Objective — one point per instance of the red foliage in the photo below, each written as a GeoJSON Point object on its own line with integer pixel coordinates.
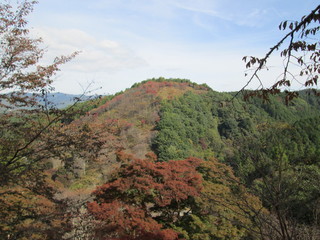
{"type": "Point", "coordinates": [151, 87]}
{"type": "Point", "coordinates": [125, 205]}
{"type": "Point", "coordinates": [151, 156]}
{"type": "Point", "coordinates": [124, 219]}
{"type": "Point", "coordinates": [143, 121]}
{"type": "Point", "coordinates": [168, 84]}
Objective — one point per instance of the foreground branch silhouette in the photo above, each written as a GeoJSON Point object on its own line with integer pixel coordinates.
{"type": "Point", "coordinates": [302, 52]}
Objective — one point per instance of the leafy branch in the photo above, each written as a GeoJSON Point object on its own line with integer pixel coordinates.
{"type": "Point", "coordinates": [301, 44]}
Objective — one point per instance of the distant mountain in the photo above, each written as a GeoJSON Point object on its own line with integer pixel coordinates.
{"type": "Point", "coordinates": [62, 100]}
{"type": "Point", "coordinates": [57, 100]}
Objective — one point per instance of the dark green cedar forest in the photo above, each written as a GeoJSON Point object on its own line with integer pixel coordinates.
{"type": "Point", "coordinates": [166, 159]}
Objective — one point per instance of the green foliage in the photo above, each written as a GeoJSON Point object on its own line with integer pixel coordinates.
{"type": "Point", "coordinates": [207, 124]}
{"type": "Point", "coordinates": [186, 128]}
{"type": "Point", "coordinates": [281, 165]}
{"type": "Point", "coordinates": [176, 80]}
{"type": "Point", "coordinates": [272, 146]}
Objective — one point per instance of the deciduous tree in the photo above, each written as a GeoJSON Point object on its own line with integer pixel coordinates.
{"type": "Point", "coordinates": [31, 133]}
{"type": "Point", "coordinates": [146, 199]}
{"type": "Point", "coordinates": [299, 49]}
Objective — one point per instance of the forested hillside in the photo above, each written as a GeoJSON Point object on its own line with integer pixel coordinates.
{"type": "Point", "coordinates": [272, 149]}
{"type": "Point", "coordinates": [171, 159]}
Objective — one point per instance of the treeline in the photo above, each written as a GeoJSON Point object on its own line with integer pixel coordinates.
{"type": "Point", "coordinates": [175, 80]}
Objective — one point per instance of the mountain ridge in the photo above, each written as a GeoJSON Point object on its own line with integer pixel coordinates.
{"type": "Point", "coordinates": [132, 120]}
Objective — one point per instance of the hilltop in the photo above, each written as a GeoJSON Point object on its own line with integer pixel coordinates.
{"type": "Point", "coordinates": [127, 121]}
{"type": "Point", "coordinates": [176, 118]}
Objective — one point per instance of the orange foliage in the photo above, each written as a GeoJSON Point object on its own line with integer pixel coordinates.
{"type": "Point", "coordinates": [27, 213]}
{"type": "Point", "coordinates": [128, 206]}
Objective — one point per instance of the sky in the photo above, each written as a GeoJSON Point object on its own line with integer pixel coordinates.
{"type": "Point", "coordinates": [122, 42]}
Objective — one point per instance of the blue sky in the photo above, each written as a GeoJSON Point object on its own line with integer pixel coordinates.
{"type": "Point", "coordinates": [127, 41]}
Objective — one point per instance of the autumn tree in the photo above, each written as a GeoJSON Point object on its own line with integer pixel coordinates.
{"type": "Point", "coordinates": [190, 199]}
{"type": "Point", "coordinates": [31, 133]}
{"type": "Point", "coordinates": [146, 199]}
{"type": "Point", "coordinates": [225, 208]}
{"type": "Point", "coordinates": [300, 52]}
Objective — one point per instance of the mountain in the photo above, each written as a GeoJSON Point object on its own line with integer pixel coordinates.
{"type": "Point", "coordinates": [259, 153]}
{"type": "Point", "coordinates": [53, 100]}
{"type": "Point", "coordinates": [128, 120]}
{"type": "Point", "coordinates": [169, 159]}
{"type": "Point", "coordinates": [176, 118]}
{"type": "Point", "coordinates": [62, 100]}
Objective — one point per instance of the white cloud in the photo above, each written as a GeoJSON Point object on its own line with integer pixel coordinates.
{"type": "Point", "coordinates": [95, 55]}
{"type": "Point", "coordinates": [115, 67]}
{"type": "Point", "coordinates": [126, 41]}
{"type": "Point", "coordinates": [100, 61]}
